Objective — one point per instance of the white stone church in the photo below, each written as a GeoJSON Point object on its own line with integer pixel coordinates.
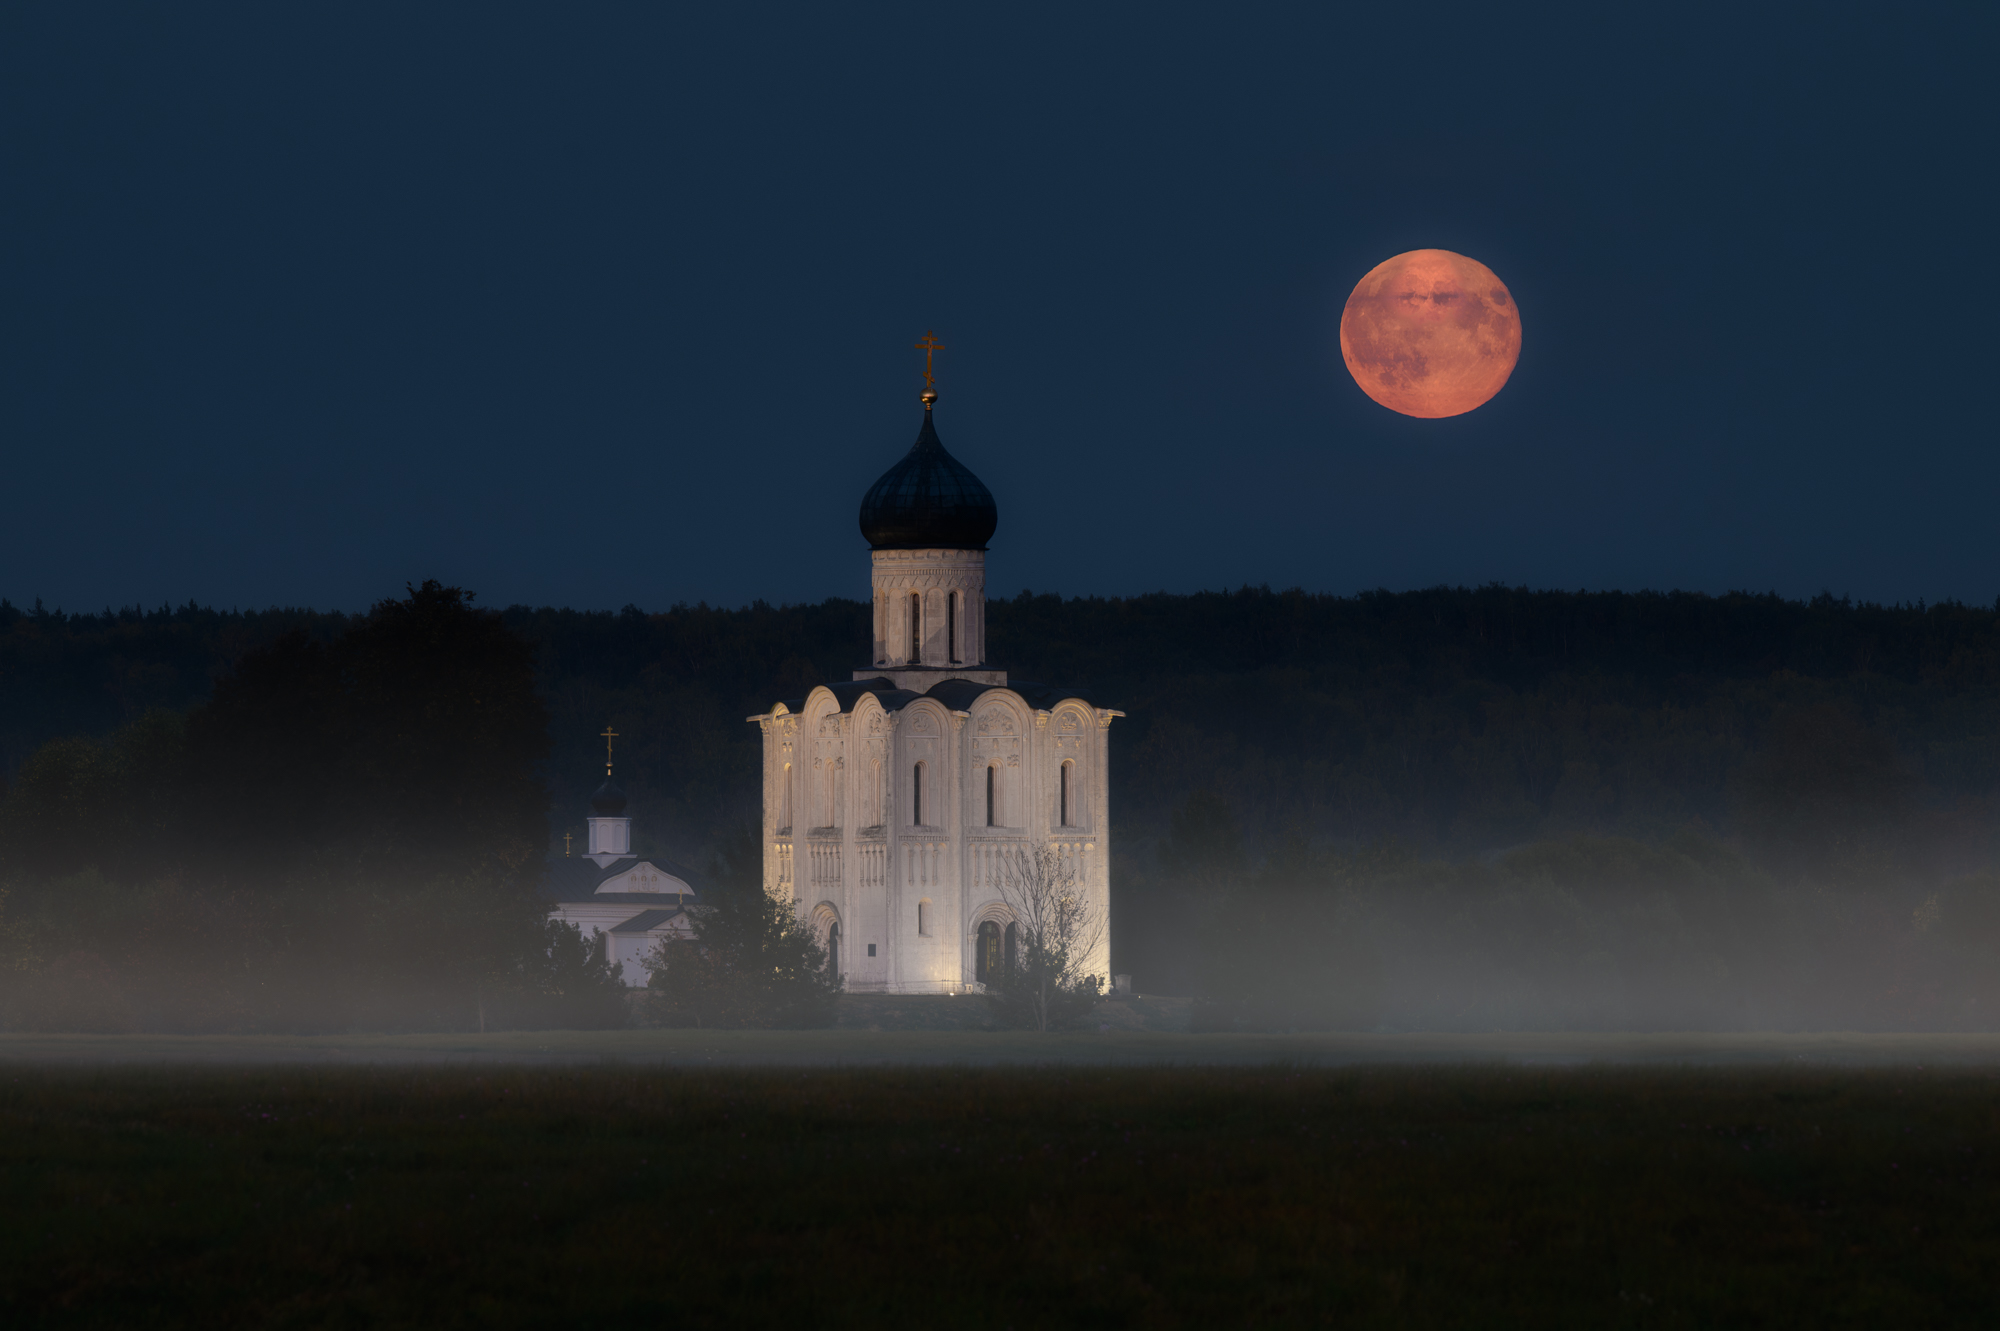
{"type": "Point", "coordinates": [894, 802]}
{"type": "Point", "coordinates": [626, 902]}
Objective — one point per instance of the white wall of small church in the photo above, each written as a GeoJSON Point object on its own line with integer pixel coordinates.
{"type": "Point", "coordinates": [625, 952]}
{"type": "Point", "coordinates": [610, 836]}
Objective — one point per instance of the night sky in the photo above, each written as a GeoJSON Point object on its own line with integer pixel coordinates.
{"type": "Point", "coordinates": [603, 304]}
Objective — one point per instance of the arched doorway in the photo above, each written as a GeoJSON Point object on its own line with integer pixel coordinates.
{"type": "Point", "coordinates": [826, 923]}
{"type": "Point", "coordinates": [987, 958]}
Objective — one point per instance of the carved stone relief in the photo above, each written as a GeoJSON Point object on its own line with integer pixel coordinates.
{"type": "Point", "coordinates": [995, 721]}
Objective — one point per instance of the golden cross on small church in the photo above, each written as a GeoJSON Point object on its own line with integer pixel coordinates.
{"type": "Point", "coordinates": [609, 735]}
{"type": "Point", "coordinates": [567, 836]}
{"type": "Point", "coordinates": [929, 346]}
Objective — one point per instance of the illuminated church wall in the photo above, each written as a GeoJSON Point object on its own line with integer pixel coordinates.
{"type": "Point", "coordinates": [893, 803]}
{"type": "Point", "coordinates": [918, 889]}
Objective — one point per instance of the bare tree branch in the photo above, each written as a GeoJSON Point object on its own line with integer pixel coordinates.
{"type": "Point", "coordinates": [1058, 932]}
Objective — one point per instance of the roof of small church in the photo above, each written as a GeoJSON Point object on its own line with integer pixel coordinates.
{"type": "Point", "coordinates": [646, 920]}
{"type": "Point", "coordinates": [575, 878]}
{"type": "Point", "coordinates": [608, 800]}
{"type": "Point", "coordinates": [928, 501]}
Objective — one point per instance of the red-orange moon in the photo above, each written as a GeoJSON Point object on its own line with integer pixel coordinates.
{"type": "Point", "coordinates": [1430, 333]}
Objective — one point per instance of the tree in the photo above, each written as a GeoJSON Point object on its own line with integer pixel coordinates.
{"type": "Point", "coordinates": [750, 962]}
{"type": "Point", "coordinates": [1041, 985]}
{"type": "Point", "coordinates": [116, 806]}
{"type": "Point", "coordinates": [572, 985]}
{"type": "Point", "coordinates": [404, 753]}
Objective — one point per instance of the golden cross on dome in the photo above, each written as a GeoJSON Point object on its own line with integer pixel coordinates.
{"type": "Point", "coordinates": [609, 735]}
{"type": "Point", "coordinates": [566, 840]}
{"type": "Point", "coordinates": [929, 346]}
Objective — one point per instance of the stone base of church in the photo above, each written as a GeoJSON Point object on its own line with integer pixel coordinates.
{"type": "Point", "coordinates": [909, 987]}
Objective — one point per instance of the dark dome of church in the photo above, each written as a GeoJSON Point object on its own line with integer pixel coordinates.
{"type": "Point", "coordinates": [609, 801]}
{"type": "Point", "coordinates": [928, 501]}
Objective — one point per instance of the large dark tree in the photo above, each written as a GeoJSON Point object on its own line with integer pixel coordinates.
{"type": "Point", "coordinates": [406, 751]}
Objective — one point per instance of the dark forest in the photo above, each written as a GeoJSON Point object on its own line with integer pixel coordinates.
{"type": "Point", "coordinates": [1633, 808]}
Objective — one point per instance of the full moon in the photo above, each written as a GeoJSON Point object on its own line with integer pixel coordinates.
{"type": "Point", "coordinates": [1430, 333]}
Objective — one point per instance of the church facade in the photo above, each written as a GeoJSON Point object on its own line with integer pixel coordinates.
{"type": "Point", "coordinates": [628, 903]}
{"type": "Point", "coordinates": [898, 803]}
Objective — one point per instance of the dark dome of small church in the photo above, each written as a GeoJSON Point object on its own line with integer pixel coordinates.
{"type": "Point", "coordinates": [609, 801]}
{"type": "Point", "coordinates": [928, 501]}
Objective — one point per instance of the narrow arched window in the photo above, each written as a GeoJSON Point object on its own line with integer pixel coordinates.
{"type": "Point", "coordinates": [951, 626]}
{"type": "Point", "coordinates": [1062, 810]}
{"type": "Point", "coordinates": [833, 949]}
{"type": "Point", "coordinates": [917, 795]}
{"type": "Point", "coordinates": [1009, 958]}
{"type": "Point", "coordinates": [916, 628]}
{"type": "Point", "coordinates": [785, 800]}
{"type": "Point", "coordinates": [986, 955]}
{"type": "Point", "coordinates": [924, 917]}
{"type": "Point", "coordinates": [991, 819]}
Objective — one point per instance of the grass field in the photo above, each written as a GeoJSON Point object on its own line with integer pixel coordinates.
{"type": "Point", "coordinates": [436, 1195]}
{"type": "Point", "coordinates": [927, 1046]}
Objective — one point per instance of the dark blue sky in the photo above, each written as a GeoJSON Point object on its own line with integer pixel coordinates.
{"type": "Point", "coordinates": [589, 305]}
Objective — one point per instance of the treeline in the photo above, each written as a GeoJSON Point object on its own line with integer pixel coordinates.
{"type": "Point", "coordinates": [1457, 720]}
{"type": "Point", "coordinates": [1576, 933]}
{"type": "Point", "coordinates": [347, 832]}
{"type": "Point", "coordinates": [1814, 742]}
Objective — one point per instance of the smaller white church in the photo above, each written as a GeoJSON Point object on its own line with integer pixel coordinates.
{"type": "Point", "coordinates": [629, 904]}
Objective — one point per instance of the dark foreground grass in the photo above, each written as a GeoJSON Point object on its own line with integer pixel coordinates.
{"type": "Point", "coordinates": [971, 1198]}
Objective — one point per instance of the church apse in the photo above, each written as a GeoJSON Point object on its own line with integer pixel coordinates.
{"type": "Point", "coordinates": [926, 775]}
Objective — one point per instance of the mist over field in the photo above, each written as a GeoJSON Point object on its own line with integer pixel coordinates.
{"type": "Point", "coordinates": [1486, 809]}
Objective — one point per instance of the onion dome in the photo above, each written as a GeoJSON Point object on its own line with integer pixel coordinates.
{"type": "Point", "coordinates": [928, 501]}
{"type": "Point", "coordinates": [608, 801]}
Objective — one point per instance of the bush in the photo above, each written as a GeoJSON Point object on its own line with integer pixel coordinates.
{"type": "Point", "coordinates": [750, 963]}
{"type": "Point", "coordinates": [1056, 931]}
{"type": "Point", "coordinates": [571, 986]}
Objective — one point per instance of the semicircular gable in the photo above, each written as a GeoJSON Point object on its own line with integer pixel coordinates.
{"type": "Point", "coordinates": [1072, 719]}
{"type": "Point", "coordinates": [926, 717]}
{"type": "Point", "coordinates": [645, 877]}
{"type": "Point", "coordinates": [819, 703]}
{"type": "Point", "coordinates": [872, 718]}
{"type": "Point", "coordinates": [995, 911]}
{"type": "Point", "coordinates": [1001, 712]}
